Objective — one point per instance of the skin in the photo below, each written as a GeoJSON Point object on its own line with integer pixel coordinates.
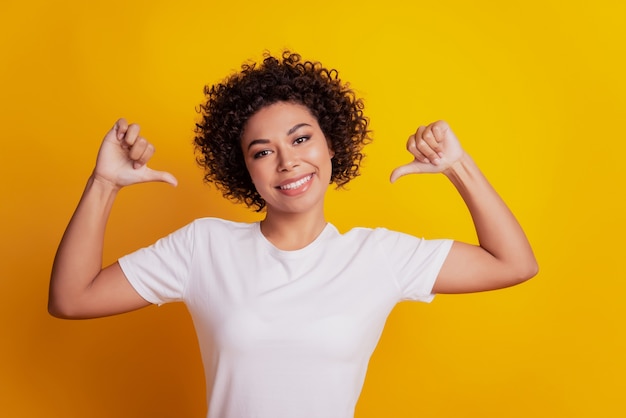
{"type": "Point", "coordinates": [283, 144]}
{"type": "Point", "coordinates": [79, 286]}
{"type": "Point", "coordinates": [503, 257]}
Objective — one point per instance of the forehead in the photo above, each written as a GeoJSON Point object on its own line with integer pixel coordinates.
{"type": "Point", "coordinates": [277, 119]}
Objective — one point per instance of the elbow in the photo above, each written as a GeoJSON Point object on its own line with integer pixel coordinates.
{"type": "Point", "coordinates": [57, 311]}
{"type": "Point", "coordinates": [61, 310]}
{"type": "Point", "coordinates": [56, 308]}
{"type": "Point", "coordinates": [61, 313]}
{"type": "Point", "coordinates": [65, 302]}
{"type": "Point", "coordinates": [526, 271]}
{"type": "Point", "coordinates": [532, 268]}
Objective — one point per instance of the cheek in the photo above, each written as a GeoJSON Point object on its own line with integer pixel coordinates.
{"type": "Point", "coordinates": [254, 176]}
{"type": "Point", "coordinates": [260, 173]}
{"type": "Point", "coordinates": [330, 170]}
{"type": "Point", "coordinates": [324, 157]}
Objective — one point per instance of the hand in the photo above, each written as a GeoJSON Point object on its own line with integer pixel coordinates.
{"type": "Point", "coordinates": [123, 156]}
{"type": "Point", "coordinates": [434, 148]}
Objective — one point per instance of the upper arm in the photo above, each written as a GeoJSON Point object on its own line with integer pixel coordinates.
{"type": "Point", "coordinates": [110, 293]}
{"type": "Point", "coordinates": [470, 268]}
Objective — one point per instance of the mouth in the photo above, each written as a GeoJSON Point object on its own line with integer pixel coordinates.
{"type": "Point", "coordinates": [296, 184]}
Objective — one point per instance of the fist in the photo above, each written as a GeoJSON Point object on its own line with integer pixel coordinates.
{"type": "Point", "coordinates": [434, 148]}
{"type": "Point", "coordinates": [123, 156]}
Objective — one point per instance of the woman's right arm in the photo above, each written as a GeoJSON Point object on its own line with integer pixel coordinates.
{"type": "Point", "coordinates": [79, 286]}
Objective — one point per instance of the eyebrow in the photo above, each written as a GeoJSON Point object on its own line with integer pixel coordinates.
{"type": "Point", "coordinates": [296, 127]}
{"type": "Point", "coordinates": [289, 132]}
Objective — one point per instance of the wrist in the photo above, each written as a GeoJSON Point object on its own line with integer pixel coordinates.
{"type": "Point", "coordinates": [467, 178]}
{"type": "Point", "coordinates": [460, 168]}
{"type": "Point", "coordinates": [102, 184]}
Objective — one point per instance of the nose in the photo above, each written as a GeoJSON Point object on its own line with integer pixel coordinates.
{"type": "Point", "coordinates": [287, 159]}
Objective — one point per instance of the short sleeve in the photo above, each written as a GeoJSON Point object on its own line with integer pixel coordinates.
{"type": "Point", "coordinates": [415, 262]}
{"type": "Point", "coordinates": [160, 272]}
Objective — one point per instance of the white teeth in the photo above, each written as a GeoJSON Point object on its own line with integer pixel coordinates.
{"type": "Point", "coordinates": [296, 184]}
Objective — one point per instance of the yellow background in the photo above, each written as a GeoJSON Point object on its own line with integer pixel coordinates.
{"type": "Point", "coordinates": [534, 89]}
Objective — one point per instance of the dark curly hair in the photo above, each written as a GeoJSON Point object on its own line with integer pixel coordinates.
{"type": "Point", "coordinates": [231, 103]}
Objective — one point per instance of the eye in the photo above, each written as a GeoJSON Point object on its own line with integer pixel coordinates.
{"type": "Point", "coordinates": [262, 153]}
{"type": "Point", "coordinates": [301, 140]}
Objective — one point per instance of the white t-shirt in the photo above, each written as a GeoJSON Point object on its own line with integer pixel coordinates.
{"type": "Point", "coordinates": [285, 334]}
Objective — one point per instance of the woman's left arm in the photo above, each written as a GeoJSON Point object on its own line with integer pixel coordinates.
{"type": "Point", "coordinates": [503, 257]}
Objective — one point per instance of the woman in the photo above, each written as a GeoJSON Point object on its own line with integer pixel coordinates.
{"type": "Point", "coordinates": [287, 310]}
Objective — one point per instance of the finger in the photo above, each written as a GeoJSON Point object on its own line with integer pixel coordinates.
{"type": "Point", "coordinates": [426, 149]}
{"type": "Point", "coordinates": [403, 170]}
{"type": "Point", "coordinates": [412, 147]}
{"type": "Point", "coordinates": [141, 151]}
{"type": "Point", "coordinates": [143, 159]}
{"type": "Point", "coordinates": [162, 176]}
{"type": "Point", "coordinates": [131, 134]}
{"type": "Point", "coordinates": [440, 130]}
{"type": "Point", "coordinates": [432, 140]}
{"type": "Point", "coordinates": [120, 128]}
{"type": "Point", "coordinates": [428, 136]}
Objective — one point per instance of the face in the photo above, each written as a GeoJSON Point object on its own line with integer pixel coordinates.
{"type": "Point", "coordinates": [288, 158]}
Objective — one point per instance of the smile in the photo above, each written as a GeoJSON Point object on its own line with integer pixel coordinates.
{"type": "Point", "coordinates": [296, 184]}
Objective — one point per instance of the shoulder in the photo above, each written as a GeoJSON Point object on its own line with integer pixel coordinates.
{"type": "Point", "coordinates": [205, 228]}
{"type": "Point", "coordinates": [218, 230]}
{"type": "Point", "coordinates": [390, 240]}
{"type": "Point", "coordinates": [371, 237]}
{"type": "Point", "coordinates": [364, 233]}
{"type": "Point", "coordinates": [210, 223]}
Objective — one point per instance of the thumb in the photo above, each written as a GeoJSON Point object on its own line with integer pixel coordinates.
{"type": "Point", "coordinates": [162, 176]}
{"type": "Point", "coordinates": [403, 170]}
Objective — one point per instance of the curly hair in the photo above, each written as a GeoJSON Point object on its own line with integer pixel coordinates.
{"type": "Point", "coordinates": [231, 103]}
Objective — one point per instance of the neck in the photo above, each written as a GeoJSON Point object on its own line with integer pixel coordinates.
{"type": "Point", "coordinates": [292, 231]}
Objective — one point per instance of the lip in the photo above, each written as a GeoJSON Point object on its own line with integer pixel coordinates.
{"type": "Point", "coordinates": [291, 185]}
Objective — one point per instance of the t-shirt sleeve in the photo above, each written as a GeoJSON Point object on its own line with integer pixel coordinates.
{"type": "Point", "coordinates": [415, 262]}
{"type": "Point", "coordinates": [159, 273]}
